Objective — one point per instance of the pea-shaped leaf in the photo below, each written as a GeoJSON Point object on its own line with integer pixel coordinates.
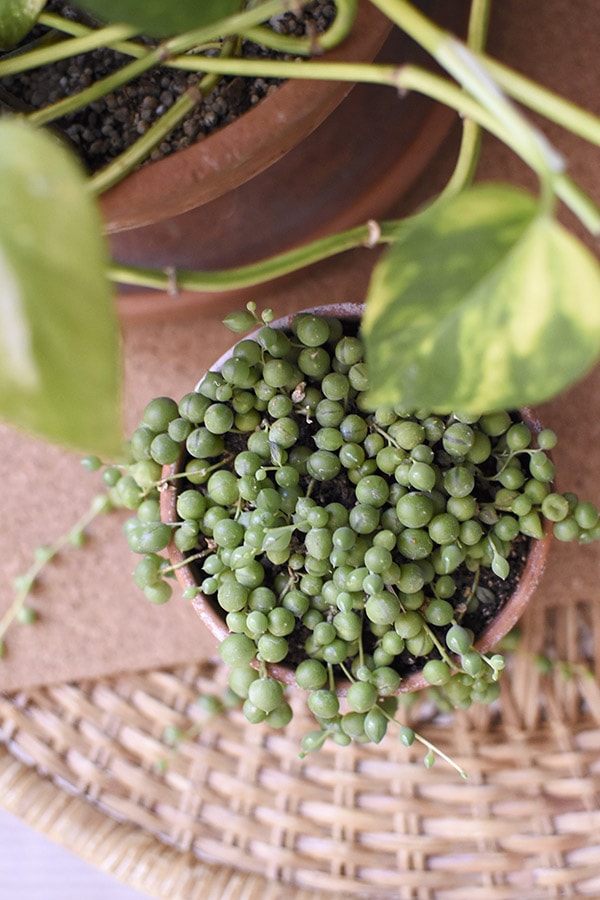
{"type": "Point", "coordinates": [17, 18]}
{"type": "Point", "coordinates": [161, 18]}
{"type": "Point", "coordinates": [277, 539]}
{"type": "Point", "coordinates": [484, 303]}
{"type": "Point", "coordinates": [59, 342]}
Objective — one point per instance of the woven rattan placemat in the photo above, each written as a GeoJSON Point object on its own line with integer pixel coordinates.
{"type": "Point", "coordinates": [235, 813]}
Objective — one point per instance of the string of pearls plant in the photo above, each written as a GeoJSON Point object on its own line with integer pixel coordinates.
{"type": "Point", "coordinates": [354, 545]}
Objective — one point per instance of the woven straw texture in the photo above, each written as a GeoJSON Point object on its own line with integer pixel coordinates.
{"type": "Point", "coordinates": [235, 813]}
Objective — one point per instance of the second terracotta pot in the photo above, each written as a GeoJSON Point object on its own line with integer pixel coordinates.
{"type": "Point", "coordinates": [311, 159]}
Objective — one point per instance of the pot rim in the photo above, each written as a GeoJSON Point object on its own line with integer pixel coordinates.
{"type": "Point", "coordinates": [505, 620]}
{"type": "Point", "coordinates": [244, 148]}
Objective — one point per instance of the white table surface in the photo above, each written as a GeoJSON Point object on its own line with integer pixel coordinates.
{"type": "Point", "coordinates": [34, 868]}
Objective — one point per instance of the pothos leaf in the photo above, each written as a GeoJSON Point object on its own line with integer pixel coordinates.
{"type": "Point", "coordinates": [484, 303]}
{"type": "Point", "coordinates": [59, 341]}
{"type": "Point", "coordinates": [161, 18]}
{"type": "Point", "coordinates": [17, 18]}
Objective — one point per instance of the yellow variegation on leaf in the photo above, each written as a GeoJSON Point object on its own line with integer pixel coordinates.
{"type": "Point", "coordinates": [484, 303]}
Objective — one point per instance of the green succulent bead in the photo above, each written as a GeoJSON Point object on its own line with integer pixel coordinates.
{"type": "Point", "coordinates": [237, 650]}
{"type": "Point", "coordinates": [436, 672]}
{"type": "Point", "coordinates": [375, 725]}
{"type": "Point", "coordinates": [159, 412]}
{"type": "Point", "coordinates": [349, 350]}
{"type": "Point", "coordinates": [382, 608]}
{"type": "Point", "coordinates": [158, 593]}
{"type": "Point", "coordinates": [414, 509]}
{"type": "Point", "coordinates": [240, 679]}
{"type": "Point", "coordinates": [324, 704]}
{"type": "Point", "coordinates": [311, 675]}
{"type": "Point", "coordinates": [361, 697]}
{"type": "Point", "coordinates": [495, 424]}
{"type": "Point", "coordinates": [458, 439]}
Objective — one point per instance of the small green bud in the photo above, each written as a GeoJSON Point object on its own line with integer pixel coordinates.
{"type": "Point", "coordinates": [240, 321]}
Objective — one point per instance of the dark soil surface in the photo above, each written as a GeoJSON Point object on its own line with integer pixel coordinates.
{"type": "Point", "coordinates": [101, 131]}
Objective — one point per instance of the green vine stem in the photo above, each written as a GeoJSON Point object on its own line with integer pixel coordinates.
{"type": "Point", "coordinates": [470, 71]}
{"type": "Point", "coordinates": [127, 161]}
{"type": "Point", "coordinates": [434, 750]}
{"type": "Point", "coordinates": [92, 39]}
{"type": "Point", "coordinates": [439, 45]}
{"type": "Point", "coordinates": [312, 44]}
{"type": "Point", "coordinates": [470, 144]}
{"type": "Point", "coordinates": [260, 34]}
{"type": "Point", "coordinates": [536, 97]}
{"type": "Point", "coordinates": [25, 582]}
{"type": "Point", "coordinates": [144, 145]}
{"type": "Point", "coordinates": [477, 96]}
{"type": "Point", "coordinates": [555, 108]}
{"type": "Point", "coordinates": [126, 47]}
{"type": "Point", "coordinates": [541, 100]}
{"type": "Point", "coordinates": [414, 78]}
{"type": "Point", "coordinates": [368, 235]}
{"type": "Point", "coordinates": [489, 110]}
{"type": "Point", "coordinates": [168, 49]}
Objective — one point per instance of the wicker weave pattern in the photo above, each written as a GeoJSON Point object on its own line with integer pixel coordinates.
{"type": "Point", "coordinates": [236, 813]}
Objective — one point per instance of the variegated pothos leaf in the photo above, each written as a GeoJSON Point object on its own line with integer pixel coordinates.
{"type": "Point", "coordinates": [17, 18]}
{"type": "Point", "coordinates": [484, 303]}
{"type": "Point", "coordinates": [161, 18]}
{"type": "Point", "coordinates": [59, 339]}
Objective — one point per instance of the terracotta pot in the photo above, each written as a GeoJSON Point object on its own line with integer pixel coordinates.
{"type": "Point", "coordinates": [212, 617]}
{"type": "Point", "coordinates": [334, 154]}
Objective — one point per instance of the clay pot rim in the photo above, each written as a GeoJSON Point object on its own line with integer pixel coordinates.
{"type": "Point", "coordinates": [244, 148]}
{"type": "Point", "coordinates": [506, 619]}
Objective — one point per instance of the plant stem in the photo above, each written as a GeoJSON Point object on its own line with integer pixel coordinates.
{"type": "Point", "coordinates": [312, 44]}
{"type": "Point", "coordinates": [369, 235]}
{"type": "Point", "coordinates": [257, 273]}
{"type": "Point", "coordinates": [98, 506]}
{"type": "Point", "coordinates": [165, 51]}
{"type": "Point", "coordinates": [307, 70]}
{"type": "Point", "coordinates": [144, 145]}
{"type": "Point", "coordinates": [541, 100]}
{"type": "Point", "coordinates": [434, 749]}
{"type": "Point", "coordinates": [469, 70]}
{"type": "Point", "coordinates": [435, 40]}
{"type": "Point", "coordinates": [440, 647]}
{"type": "Point", "coordinates": [126, 47]}
{"type": "Point", "coordinates": [430, 746]}
{"type": "Point", "coordinates": [573, 196]}
{"type": "Point", "coordinates": [470, 144]}
{"type": "Point", "coordinates": [520, 137]}
{"type": "Point", "coordinates": [96, 91]}
{"type": "Point", "coordinates": [185, 562]}
{"type": "Point", "coordinates": [445, 92]}
{"type": "Point", "coordinates": [92, 40]}
{"type": "Point", "coordinates": [260, 34]}
{"type": "Point", "coordinates": [538, 98]}
{"type": "Point", "coordinates": [439, 43]}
